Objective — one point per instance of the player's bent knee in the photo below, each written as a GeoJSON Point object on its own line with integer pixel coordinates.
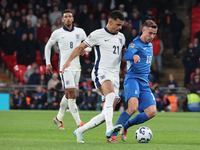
{"type": "Point", "coordinates": [131, 110]}
{"type": "Point", "coordinates": [106, 88]}
{"type": "Point", "coordinates": [71, 93]}
{"type": "Point", "coordinates": [151, 112]}
{"type": "Point", "coordinates": [66, 95]}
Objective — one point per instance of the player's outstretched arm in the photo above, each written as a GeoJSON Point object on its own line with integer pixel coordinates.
{"type": "Point", "coordinates": [128, 56]}
{"type": "Point", "coordinates": [74, 54]}
{"type": "Point", "coordinates": [83, 53]}
{"type": "Point", "coordinates": [88, 49]}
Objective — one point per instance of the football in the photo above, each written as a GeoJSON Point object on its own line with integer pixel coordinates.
{"type": "Point", "coordinates": [143, 135]}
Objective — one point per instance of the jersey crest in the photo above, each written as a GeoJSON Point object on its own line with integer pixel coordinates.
{"type": "Point", "coordinates": [120, 40]}
{"type": "Point", "coordinates": [77, 36]}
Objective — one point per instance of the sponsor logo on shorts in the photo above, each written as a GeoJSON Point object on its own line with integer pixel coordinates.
{"type": "Point", "coordinates": [135, 91]}
{"type": "Point", "coordinates": [67, 82]}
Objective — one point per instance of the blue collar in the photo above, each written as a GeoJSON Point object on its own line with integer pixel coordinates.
{"type": "Point", "coordinates": [65, 28]}
{"type": "Point", "coordinates": [108, 31]}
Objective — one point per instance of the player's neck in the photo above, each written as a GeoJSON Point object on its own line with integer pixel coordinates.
{"type": "Point", "coordinates": [142, 38]}
{"type": "Point", "coordinates": [109, 29]}
{"type": "Point", "coordinates": [69, 27]}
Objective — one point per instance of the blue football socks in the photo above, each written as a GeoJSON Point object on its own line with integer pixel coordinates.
{"type": "Point", "coordinates": [139, 118]}
{"type": "Point", "coordinates": [123, 118]}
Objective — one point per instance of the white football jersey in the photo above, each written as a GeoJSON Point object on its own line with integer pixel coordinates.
{"type": "Point", "coordinates": [67, 41]}
{"type": "Point", "coordinates": [108, 49]}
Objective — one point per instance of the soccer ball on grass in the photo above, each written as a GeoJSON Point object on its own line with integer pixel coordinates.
{"type": "Point", "coordinates": [143, 135]}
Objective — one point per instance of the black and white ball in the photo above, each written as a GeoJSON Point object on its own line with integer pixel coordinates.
{"type": "Point", "coordinates": [143, 135]}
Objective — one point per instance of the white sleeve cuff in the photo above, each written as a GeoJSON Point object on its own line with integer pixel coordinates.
{"type": "Point", "coordinates": [88, 49]}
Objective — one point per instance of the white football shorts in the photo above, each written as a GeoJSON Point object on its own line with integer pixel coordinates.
{"type": "Point", "coordinates": [101, 75]}
{"type": "Point", "coordinates": [70, 79]}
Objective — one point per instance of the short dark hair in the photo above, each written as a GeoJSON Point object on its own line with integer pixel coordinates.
{"type": "Point", "coordinates": [150, 23]}
{"type": "Point", "coordinates": [66, 11]}
{"type": "Point", "coordinates": [116, 14]}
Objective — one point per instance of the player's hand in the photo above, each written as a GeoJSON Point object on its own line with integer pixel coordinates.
{"type": "Point", "coordinates": [49, 69]}
{"type": "Point", "coordinates": [136, 59]}
{"type": "Point", "coordinates": [66, 65]}
{"type": "Point", "coordinates": [83, 53]}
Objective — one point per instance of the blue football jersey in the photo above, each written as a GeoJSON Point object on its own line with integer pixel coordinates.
{"type": "Point", "coordinates": [144, 50]}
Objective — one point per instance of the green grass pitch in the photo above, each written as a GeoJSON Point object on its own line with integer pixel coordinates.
{"type": "Point", "coordinates": [35, 130]}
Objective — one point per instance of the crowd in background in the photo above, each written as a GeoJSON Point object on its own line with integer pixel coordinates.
{"type": "Point", "coordinates": [26, 26]}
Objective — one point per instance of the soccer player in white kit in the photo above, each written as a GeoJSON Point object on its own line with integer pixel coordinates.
{"type": "Point", "coordinates": [68, 38]}
{"type": "Point", "coordinates": [108, 43]}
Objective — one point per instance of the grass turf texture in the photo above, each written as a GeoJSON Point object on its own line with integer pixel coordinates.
{"type": "Point", "coordinates": [35, 130]}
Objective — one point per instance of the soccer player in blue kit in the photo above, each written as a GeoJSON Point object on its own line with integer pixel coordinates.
{"type": "Point", "coordinates": [138, 95]}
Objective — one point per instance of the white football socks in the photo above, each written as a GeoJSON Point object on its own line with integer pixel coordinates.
{"type": "Point", "coordinates": [74, 110]}
{"type": "Point", "coordinates": [63, 108]}
{"type": "Point", "coordinates": [108, 109]}
{"type": "Point", "coordinates": [94, 122]}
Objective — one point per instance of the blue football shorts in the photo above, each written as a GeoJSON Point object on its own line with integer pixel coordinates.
{"type": "Point", "coordinates": [140, 89]}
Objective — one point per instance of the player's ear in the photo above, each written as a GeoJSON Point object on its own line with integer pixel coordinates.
{"type": "Point", "coordinates": [143, 29]}
{"type": "Point", "coordinates": [110, 21]}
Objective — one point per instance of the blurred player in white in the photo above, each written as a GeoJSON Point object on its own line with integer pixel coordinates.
{"type": "Point", "coordinates": [68, 38]}
{"type": "Point", "coordinates": [108, 43]}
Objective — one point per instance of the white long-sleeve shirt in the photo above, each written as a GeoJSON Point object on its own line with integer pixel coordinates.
{"type": "Point", "coordinates": [67, 41]}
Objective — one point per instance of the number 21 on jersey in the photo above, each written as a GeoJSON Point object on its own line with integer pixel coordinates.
{"type": "Point", "coordinates": [116, 49]}
{"type": "Point", "coordinates": [149, 59]}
